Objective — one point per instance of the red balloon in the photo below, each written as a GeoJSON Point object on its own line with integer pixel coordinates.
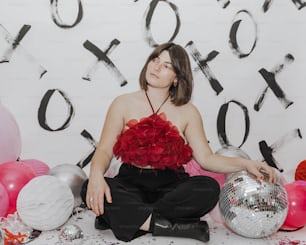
{"type": "Point", "coordinates": [38, 167]}
{"type": "Point", "coordinates": [13, 176]}
{"type": "Point", "coordinates": [296, 216]}
{"type": "Point", "coordinates": [300, 172]}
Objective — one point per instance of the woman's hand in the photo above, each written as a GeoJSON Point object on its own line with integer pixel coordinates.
{"type": "Point", "coordinates": [260, 169]}
{"type": "Point", "coordinates": [96, 190]}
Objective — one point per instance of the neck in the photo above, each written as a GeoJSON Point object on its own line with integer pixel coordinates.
{"type": "Point", "coordinates": [157, 94]}
{"type": "Point", "coordinates": [156, 103]}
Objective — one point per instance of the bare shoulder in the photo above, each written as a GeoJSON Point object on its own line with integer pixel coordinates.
{"type": "Point", "coordinates": [127, 98]}
{"type": "Point", "coordinates": [190, 110]}
{"type": "Point", "coordinates": [126, 104]}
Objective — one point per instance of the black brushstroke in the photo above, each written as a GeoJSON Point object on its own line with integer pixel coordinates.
{"type": "Point", "coordinates": [202, 63]}
{"type": "Point", "coordinates": [270, 76]}
{"type": "Point", "coordinates": [285, 139]}
{"type": "Point", "coordinates": [267, 151]}
{"type": "Point", "coordinates": [221, 123]}
{"type": "Point", "coordinates": [299, 4]}
{"type": "Point", "coordinates": [103, 56]}
{"type": "Point", "coordinates": [224, 3]}
{"type": "Point", "coordinates": [15, 43]}
{"type": "Point", "coordinates": [57, 19]}
{"type": "Point", "coordinates": [86, 160]}
{"type": "Point", "coordinates": [266, 5]}
{"type": "Point", "coordinates": [233, 34]}
{"type": "Point", "coordinates": [148, 18]}
{"type": "Point", "coordinates": [43, 109]}
{"type": "Point", "coordinates": [272, 84]}
{"type": "Point", "coordinates": [9, 52]}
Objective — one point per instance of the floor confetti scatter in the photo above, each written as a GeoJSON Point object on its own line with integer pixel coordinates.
{"type": "Point", "coordinates": [219, 235]}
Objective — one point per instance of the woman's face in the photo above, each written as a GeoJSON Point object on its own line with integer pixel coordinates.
{"type": "Point", "coordinates": [160, 72]}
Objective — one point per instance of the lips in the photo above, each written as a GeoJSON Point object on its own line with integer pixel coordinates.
{"type": "Point", "coordinates": [154, 75]}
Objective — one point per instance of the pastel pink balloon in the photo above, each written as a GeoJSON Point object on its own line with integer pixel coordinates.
{"type": "Point", "coordinates": [4, 201]}
{"type": "Point", "coordinates": [216, 215]}
{"type": "Point", "coordinates": [38, 167]}
{"type": "Point", "coordinates": [13, 176]}
{"type": "Point", "coordinates": [10, 140]}
{"type": "Point", "coordinates": [296, 216]}
{"type": "Point", "coordinates": [193, 169]}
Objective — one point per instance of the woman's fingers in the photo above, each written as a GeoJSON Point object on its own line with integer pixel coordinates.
{"type": "Point", "coordinates": [269, 172]}
{"type": "Point", "coordinates": [108, 195]}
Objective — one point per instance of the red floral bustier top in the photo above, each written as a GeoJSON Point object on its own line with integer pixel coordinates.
{"type": "Point", "coordinates": [152, 141]}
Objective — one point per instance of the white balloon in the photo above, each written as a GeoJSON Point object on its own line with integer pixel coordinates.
{"type": "Point", "coordinates": [45, 203]}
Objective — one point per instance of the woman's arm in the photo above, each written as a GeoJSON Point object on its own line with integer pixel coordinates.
{"type": "Point", "coordinates": [202, 153]}
{"type": "Point", "coordinates": [97, 186]}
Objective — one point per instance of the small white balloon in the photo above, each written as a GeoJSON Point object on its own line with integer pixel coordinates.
{"type": "Point", "coordinates": [45, 203]}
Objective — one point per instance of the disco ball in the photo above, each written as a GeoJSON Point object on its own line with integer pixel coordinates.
{"type": "Point", "coordinates": [252, 208]}
{"type": "Point", "coordinates": [71, 234]}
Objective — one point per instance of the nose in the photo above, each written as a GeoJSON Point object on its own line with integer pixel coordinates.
{"type": "Point", "coordinates": [157, 66]}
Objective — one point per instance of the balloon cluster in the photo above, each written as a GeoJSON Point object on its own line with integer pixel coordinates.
{"type": "Point", "coordinates": [41, 196]}
{"type": "Point", "coordinates": [14, 174]}
{"type": "Point", "coordinates": [296, 191]}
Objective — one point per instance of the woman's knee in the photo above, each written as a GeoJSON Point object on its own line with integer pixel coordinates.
{"type": "Point", "coordinates": [206, 187]}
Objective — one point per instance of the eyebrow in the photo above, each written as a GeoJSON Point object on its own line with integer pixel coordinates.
{"type": "Point", "coordinates": [167, 62]}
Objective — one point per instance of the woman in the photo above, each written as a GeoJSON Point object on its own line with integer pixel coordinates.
{"type": "Point", "coordinates": [154, 131]}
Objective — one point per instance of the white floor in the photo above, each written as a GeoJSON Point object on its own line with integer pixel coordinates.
{"type": "Point", "coordinates": [219, 235]}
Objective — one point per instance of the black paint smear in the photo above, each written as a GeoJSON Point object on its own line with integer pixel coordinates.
{"type": "Point", "coordinates": [267, 151]}
{"type": "Point", "coordinates": [279, 93]}
{"type": "Point", "coordinates": [102, 56]}
{"type": "Point", "coordinates": [14, 44]}
{"type": "Point", "coordinates": [299, 4]}
{"type": "Point", "coordinates": [289, 58]}
{"type": "Point", "coordinates": [233, 33]}
{"type": "Point", "coordinates": [270, 79]}
{"type": "Point", "coordinates": [9, 52]}
{"type": "Point", "coordinates": [86, 160]}
{"type": "Point", "coordinates": [148, 18]}
{"type": "Point", "coordinates": [57, 19]}
{"type": "Point", "coordinates": [202, 63]}
{"type": "Point", "coordinates": [221, 126]}
{"type": "Point", "coordinates": [224, 3]}
{"type": "Point", "coordinates": [43, 109]}
{"type": "Point", "coordinates": [266, 5]}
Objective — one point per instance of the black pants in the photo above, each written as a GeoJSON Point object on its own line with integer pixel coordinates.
{"type": "Point", "coordinates": [137, 193]}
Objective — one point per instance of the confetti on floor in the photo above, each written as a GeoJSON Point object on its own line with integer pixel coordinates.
{"type": "Point", "coordinates": [219, 235]}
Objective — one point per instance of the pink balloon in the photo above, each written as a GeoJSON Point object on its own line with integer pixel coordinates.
{"type": "Point", "coordinates": [193, 169]}
{"type": "Point", "coordinates": [38, 167]}
{"type": "Point", "coordinates": [10, 140]}
{"type": "Point", "coordinates": [13, 176]}
{"type": "Point", "coordinates": [216, 215]}
{"type": "Point", "coordinates": [296, 216]}
{"type": "Point", "coordinates": [300, 182]}
{"type": "Point", "coordinates": [4, 201]}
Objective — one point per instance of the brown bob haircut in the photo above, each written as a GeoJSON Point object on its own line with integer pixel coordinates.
{"type": "Point", "coordinates": [181, 93]}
